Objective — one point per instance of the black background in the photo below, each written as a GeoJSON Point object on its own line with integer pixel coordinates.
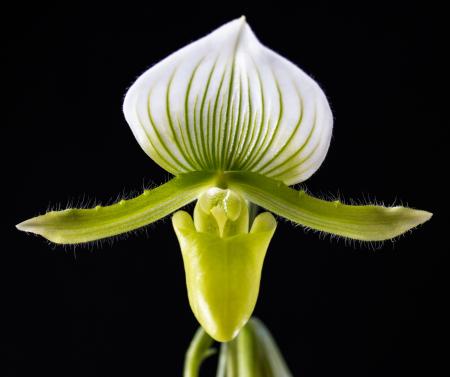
{"type": "Point", "coordinates": [336, 308]}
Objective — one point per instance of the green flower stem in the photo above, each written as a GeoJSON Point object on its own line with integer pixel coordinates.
{"type": "Point", "coordinates": [231, 356]}
{"type": "Point", "coordinates": [246, 354]}
{"type": "Point", "coordinates": [223, 359]}
{"type": "Point", "coordinates": [270, 356]}
{"type": "Point", "coordinates": [198, 350]}
{"type": "Point", "coordinates": [253, 353]}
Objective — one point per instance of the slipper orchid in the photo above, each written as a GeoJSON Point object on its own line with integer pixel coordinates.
{"type": "Point", "coordinates": [236, 124]}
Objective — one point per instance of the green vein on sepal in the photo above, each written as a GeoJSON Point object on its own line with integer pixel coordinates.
{"type": "Point", "coordinates": [72, 226]}
{"type": "Point", "coordinates": [273, 136]}
{"type": "Point", "coordinates": [187, 112]}
{"type": "Point", "coordinates": [365, 222]}
{"type": "Point", "coordinates": [176, 135]}
{"type": "Point", "coordinates": [165, 151]}
{"type": "Point", "coordinates": [201, 123]}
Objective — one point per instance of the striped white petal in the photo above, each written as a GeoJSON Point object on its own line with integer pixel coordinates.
{"type": "Point", "coordinates": [228, 103]}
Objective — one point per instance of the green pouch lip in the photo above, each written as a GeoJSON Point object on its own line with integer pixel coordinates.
{"type": "Point", "coordinates": [223, 273]}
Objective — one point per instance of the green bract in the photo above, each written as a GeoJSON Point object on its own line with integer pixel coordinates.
{"type": "Point", "coordinates": [225, 112]}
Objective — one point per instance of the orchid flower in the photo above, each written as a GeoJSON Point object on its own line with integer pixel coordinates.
{"type": "Point", "coordinates": [236, 124]}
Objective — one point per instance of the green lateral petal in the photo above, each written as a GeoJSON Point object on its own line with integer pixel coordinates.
{"type": "Point", "coordinates": [258, 353]}
{"type": "Point", "coordinates": [72, 226]}
{"type": "Point", "coordinates": [366, 222]}
{"type": "Point", "coordinates": [227, 102]}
